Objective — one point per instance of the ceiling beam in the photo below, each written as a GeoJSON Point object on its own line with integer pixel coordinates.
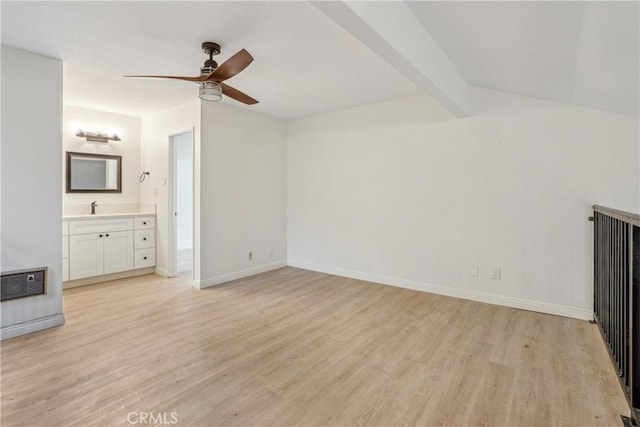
{"type": "Point", "coordinates": [393, 32]}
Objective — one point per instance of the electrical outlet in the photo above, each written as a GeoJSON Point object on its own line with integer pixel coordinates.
{"type": "Point", "coordinates": [496, 273]}
{"type": "Point", "coordinates": [250, 256]}
{"type": "Point", "coordinates": [474, 271]}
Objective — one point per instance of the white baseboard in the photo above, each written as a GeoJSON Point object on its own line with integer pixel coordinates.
{"type": "Point", "coordinates": [31, 326]}
{"type": "Point", "coordinates": [212, 281]}
{"type": "Point", "coordinates": [162, 272]}
{"type": "Point", "coordinates": [107, 277]}
{"type": "Point", "coordinates": [540, 307]}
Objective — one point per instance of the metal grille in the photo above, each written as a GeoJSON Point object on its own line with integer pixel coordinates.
{"type": "Point", "coordinates": [617, 293]}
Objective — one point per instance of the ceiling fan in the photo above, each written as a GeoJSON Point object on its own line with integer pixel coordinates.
{"type": "Point", "coordinates": [212, 76]}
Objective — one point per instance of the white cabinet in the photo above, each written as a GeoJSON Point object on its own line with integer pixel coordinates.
{"type": "Point", "coordinates": [105, 246]}
{"type": "Point", "coordinates": [100, 253]}
{"type": "Point", "coordinates": [144, 241]}
{"type": "Point", "coordinates": [118, 251]}
{"type": "Point", "coordinates": [86, 255]}
{"type": "Point", "coordinates": [65, 251]}
{"type": "Point", "coordinates": [100, 225]}
{"type": "Point", "coordinates": [144, 222]}
{"type": "Point", "coordinates": [145, 258]}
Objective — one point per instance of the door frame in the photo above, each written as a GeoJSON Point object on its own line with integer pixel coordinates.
{"type": "Point", "coordinates": [172, 208]}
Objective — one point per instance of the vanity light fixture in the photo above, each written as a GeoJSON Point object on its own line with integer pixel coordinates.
{"type": "Point", "coordinates": [97, 136]}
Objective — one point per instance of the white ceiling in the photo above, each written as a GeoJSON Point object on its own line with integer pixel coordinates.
{"type": "Point", "coordinates": [304, 63]}
{"type": "Point", "coordinates": [584, 53]}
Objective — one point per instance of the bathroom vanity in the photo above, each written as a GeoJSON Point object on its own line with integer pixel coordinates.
{"type": "Point", "coordinates": [101, 245]}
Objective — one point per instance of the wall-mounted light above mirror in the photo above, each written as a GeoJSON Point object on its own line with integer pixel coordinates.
{"type": "Point", "coordinates": [97, 136]}
{"type": "Point", "coordinates": [93, 173]}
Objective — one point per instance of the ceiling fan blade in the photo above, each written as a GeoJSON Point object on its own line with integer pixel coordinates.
{"type": "Point", "coordinates": [189, 79]}
{"type": "Point", "coordinates": [237, 95]}
{"type": "Point", "coordinates": [232, 66]}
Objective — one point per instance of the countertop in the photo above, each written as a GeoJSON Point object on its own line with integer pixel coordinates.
{"type": "Point", "coordinates": [107, 215]}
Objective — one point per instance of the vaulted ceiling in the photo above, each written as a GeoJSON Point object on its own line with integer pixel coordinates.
{"type": "Point", "coordinates": [581, 53]}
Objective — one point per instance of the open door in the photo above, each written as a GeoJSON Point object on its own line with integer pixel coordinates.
{"type": "Point", "coordinates": [181, 203]}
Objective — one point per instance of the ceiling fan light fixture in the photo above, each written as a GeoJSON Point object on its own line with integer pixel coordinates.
{"type": "Point", "coordinates": [211, 75]}
{"type": "Point", "coordinates": [210, 91]}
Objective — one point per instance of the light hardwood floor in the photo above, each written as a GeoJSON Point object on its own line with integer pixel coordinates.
{"type": "Point", "coordinates": [293, 347]}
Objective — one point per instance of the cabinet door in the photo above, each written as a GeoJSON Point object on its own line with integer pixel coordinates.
{"type": "Point", "coordinates": [86, 256]}
{"type": "Point", "coordinates": [118, 251]}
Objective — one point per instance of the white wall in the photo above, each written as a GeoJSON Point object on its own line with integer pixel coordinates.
{"type": "Point", "coordinates": [377, 193]}
{"type": "Point", "coordinates": [31, 205]}
{"type": "Point", "coordinates": [156, 130]}
{"type": "Point", "coordinates": [243, 191]}
{"type": "Point", "coordinates": [128, 129]}
{"type": "Point", "coordinates": [184, 184]}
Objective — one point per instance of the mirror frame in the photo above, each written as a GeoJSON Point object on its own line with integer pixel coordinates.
{"type": "Point", "coordinates": [118, 159]}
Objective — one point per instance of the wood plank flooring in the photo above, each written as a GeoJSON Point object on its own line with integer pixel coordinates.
{"type": "Point", "coordinates": [294, 347]}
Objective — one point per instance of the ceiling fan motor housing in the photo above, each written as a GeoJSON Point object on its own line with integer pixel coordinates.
{"type": "Point", "coordinates": [211, 49]}
{"type": "Point", "coordinates": [209, 66]}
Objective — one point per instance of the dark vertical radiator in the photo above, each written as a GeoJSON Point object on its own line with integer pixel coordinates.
{"type": "Point", "coordinates": [617, 294]}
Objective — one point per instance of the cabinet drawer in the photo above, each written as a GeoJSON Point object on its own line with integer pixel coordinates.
{"type": "Point", "coordinates": [65, 247]}
{"type": "Point", "coordinates": [144, 239]}
{"type": "Point", "coordinates": [144, 222]}
{"type": "Point", "coordinates": [145, 258]}
{"type": "Point", "coordinates": [100, 226]}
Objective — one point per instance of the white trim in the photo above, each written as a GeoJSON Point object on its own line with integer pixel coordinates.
{"type": "Point", "coordinates": [171, 207]}
{"type": "Point", "coordinates": [239, 274]}
{"type": "Point", "coordinates": [107, 277]}
{"type": "Point", "coordinates": [162, 272]}
{"type": "Point", "coordinates": [538, 306]}
{"type": "Point", "coordinates": [172, 268]}
{"type": "Point", "coordinates": [31, 326]}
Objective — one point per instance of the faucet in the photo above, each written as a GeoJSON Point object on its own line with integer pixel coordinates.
{"type": "Point", "coordinates": [93, 207]}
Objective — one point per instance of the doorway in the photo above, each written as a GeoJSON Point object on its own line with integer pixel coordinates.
{"type": "Point", "coordinates": [181, 204]}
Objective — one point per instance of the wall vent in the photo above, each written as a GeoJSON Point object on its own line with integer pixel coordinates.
{"type": "Point", "coordinates": [23, 283]}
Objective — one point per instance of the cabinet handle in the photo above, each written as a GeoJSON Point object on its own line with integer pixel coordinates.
{"type": "Point", "coordinates": [145, 258]}
{"type": "Point", "coordinates": [144, 222]}
{"type": "Point", "coordinates": [144, 238]}
{"type": "Point", "coordinates": [99, 235]}
{"type": "Point", "coordinates": [106, 235]}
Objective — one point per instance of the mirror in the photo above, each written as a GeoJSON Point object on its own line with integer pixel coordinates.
{"type": "Point", "coordinates": [93, 173]}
